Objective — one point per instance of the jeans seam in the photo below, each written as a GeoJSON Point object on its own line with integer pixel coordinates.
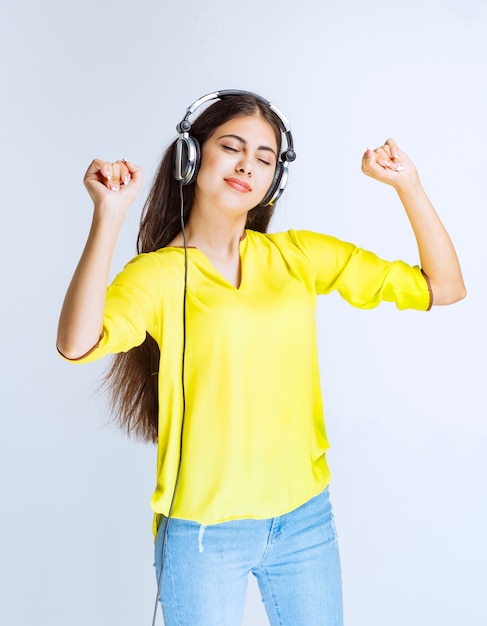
{"type": "Point", "coordinates": [171, 582]}
{"type": "Point", "coordinates": [271, 595]}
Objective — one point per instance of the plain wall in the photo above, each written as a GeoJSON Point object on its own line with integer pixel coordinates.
{"type": "Point", "coordinates": [404, 392]}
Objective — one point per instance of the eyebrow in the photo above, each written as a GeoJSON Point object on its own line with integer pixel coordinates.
{"type": "Point", "coordinates": [244, 141]}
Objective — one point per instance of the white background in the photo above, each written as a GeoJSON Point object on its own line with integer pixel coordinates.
{"type": "Point", "coordinates": [404, 392]}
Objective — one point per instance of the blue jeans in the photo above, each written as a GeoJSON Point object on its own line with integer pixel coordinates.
{"type": "Point", "coordinates": [294, 558]}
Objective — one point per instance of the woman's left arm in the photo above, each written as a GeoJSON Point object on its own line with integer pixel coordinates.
{"type": "Point", "coordinates": [437, 255]}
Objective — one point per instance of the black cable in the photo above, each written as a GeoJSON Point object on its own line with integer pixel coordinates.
{"type": "Point", "coordinates": [178, 474]}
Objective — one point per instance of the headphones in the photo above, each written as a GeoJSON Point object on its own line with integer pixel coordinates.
{"type": "Point", "coordinates": [188, 154]}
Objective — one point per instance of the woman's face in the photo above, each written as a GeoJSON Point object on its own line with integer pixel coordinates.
{"type": "Point", "coordinates": [238, 163]}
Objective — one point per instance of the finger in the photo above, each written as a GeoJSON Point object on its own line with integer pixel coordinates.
{"type": "Point", "coordinates": [376, 162]}
{"type": "Point", "coordinates": [135, 171]}
{"type": "Point", "coordinates": [99, 172]}
{"type": "Point", "coordinates": [109, 175]}
{"type": "Point", "coordinates": [385, 159]}
{"type": "Point", "coordinates": [393, 148]}
{"type": "Point", "coordinates": [113, 175]}
{"type": "Point", "coordinates": [99, 169]}
{"type": "Point", "coordinates": [114, 181]}
{"type": "Point", "coordinates": [381, 155]}
{"type": "Point", "coordinates": [369, 161]}
{"type": "Point", "coordinates": [124, 172]}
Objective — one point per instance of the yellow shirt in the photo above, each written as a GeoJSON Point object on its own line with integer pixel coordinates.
{"type": "Point", "coordinates": [254, 436]}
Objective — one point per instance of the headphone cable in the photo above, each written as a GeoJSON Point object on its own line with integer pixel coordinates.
{"type": "Point", "coordinates": [178, 474]}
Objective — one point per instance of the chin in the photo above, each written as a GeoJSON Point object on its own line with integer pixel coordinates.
{"type": "Point", "coordinates": [236, 205]}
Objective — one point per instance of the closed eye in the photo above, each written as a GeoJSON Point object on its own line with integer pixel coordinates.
{"type": "Point", "coordinates": [232, 149]}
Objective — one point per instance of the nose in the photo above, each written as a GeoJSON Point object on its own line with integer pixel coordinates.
{"type": "Point", "coordinates": [244, 166]}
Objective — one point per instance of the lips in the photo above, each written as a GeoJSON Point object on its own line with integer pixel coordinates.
{"type": "Point", "coordinates": [238, 185]}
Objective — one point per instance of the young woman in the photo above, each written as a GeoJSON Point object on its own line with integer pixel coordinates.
{"type": "Point", "coordinates": [214, 333]}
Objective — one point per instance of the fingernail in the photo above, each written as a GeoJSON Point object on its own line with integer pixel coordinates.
{"type": "Point", "coordinates": [126, 179]}
{"type": "Point", "coordinates": [114, 187]}
{"type": "Point", "coordinates": [399, 168]}
{"type": "Point", "coordinates": [384, 163]}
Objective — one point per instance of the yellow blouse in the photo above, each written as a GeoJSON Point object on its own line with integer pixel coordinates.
{"type": "Point", "coordinates": [254, 436]}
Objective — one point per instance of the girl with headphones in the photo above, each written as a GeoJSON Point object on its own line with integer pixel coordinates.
{"type": "Point", "coordinates": [213, 330]}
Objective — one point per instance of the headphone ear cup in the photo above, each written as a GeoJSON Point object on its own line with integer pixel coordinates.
{"type": "Point", "coordinates": [187, 159]}
{"type": "Point", "coordinates": [277, 186]}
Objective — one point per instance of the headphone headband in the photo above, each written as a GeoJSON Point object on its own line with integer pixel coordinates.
{"type": "Point", "coordinates": [187, 159]}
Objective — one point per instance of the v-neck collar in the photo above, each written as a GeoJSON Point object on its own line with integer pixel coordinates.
{"type": "Point", "coordinates": [242, 248]}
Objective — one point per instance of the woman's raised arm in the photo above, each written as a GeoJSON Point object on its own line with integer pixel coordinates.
{"type": "Point", "coordinates": [112, 187]}
{"type": "Point", "coordinates": [437, 255]}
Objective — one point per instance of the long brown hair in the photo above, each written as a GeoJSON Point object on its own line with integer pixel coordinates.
{"type": "Point", "coordinates": [132, 378]}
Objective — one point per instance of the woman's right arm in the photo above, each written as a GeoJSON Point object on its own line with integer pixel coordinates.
{"type": "Point", "coordinates": [112, 187]}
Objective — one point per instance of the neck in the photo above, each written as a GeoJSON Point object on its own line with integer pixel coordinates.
{"type": "Point", "coordinates": [214, 233]}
